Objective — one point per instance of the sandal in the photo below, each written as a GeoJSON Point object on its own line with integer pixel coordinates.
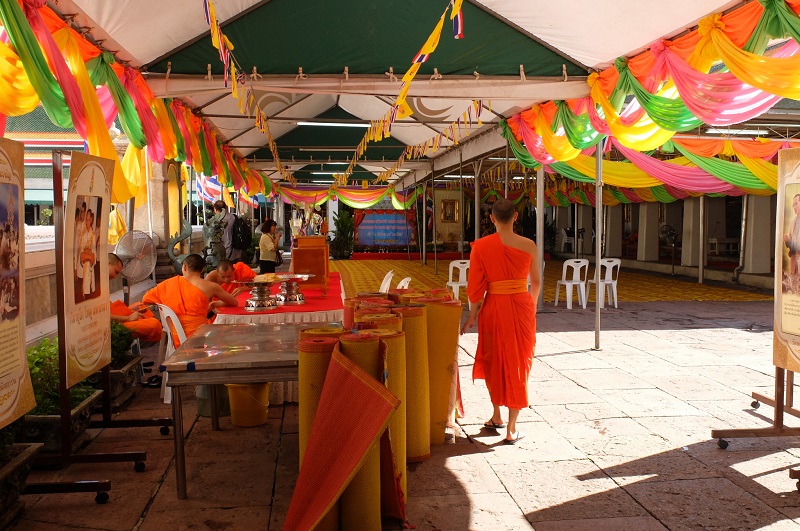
{"type": "Point", "coordinates": [154, 382]}
{"type": "Point", "coordinates": [519, 436]}
{"type": "Point", "coordinates": [492, 425]}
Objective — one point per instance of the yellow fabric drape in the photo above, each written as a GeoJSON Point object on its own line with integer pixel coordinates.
{"type": "Point", "coordinates": [116, 227]}
{"type": "Point", "coordinates": [623, 174]}
{"type": "Point", "coordinates": [17, 96]}
{"type": "Point", "coordinates": [165, 128]}
{"type": "Point", "coordinates": [764, 171]}
{"type": "Point", "coordinates": [133, 167]}
{"type": "Point", "coordinates": [644, 135]}
{"type": "Point", "coordinates": [780, 76]}
{"type": "Point", "coordinates": [557, 145]}
{"type": "Point", "coordinates": [96, 132]}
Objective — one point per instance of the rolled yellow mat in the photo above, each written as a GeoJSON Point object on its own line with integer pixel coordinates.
{"type": "Point", "coordinates": [377, 301]}
{"type": "Point", "coordinates": [396, 382]}
{"type": "Point", "coordinates": [360, 502]}
{"type": "Point", "coordinates": [321, 332]}
{"type": "Point", "coordinates": [444, 293]}
{"type": "Point", "coordinates": [388, 321]}
{"type": "Point", "coordinates": [350, 306]}
{"type": "Point", "coordinates": [418, 409]}
{"type": "Point", "coordinates": [409, 297]}
{"type": "Point", "coordinates": [314, 355]}
{"type": "Point", "coordinates": [371, 294]}
{"type": "Point", "coordinates": [395, 294]}
{"type": "Point", "coordinates": [445, 319]}
{"type": "Point", "coordinates": [369, 311]}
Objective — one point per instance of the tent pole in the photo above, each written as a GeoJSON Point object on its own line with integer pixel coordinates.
{"type": "Point", "coordinates": [405, 215]}
{"type": "Point", "coordinates": [477, 169]}
{"type": "Point", "coordinates": [461, 198]}
{"type": "Point", "coordinates": [598, 235]}
{"type": "Point", "coordinates": [540, 228]}
{"type": "Point", "coordinates": [423, 255]}
{"type": "Point", "coordinates": [149, 200]}
{"type": "Point", "coordinates": [433, 210]}
{"type": "Point", "coordinates": [575, 231]}
{"type": "Point", "coordinates": [505, 188]}
{"type": "Point", "coordinates": [702, 231]}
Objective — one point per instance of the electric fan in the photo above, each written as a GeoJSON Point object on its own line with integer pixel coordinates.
{"type": "Point", "coordinates": [137, 251]}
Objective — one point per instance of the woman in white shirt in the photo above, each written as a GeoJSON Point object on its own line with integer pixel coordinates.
{"type": "Point", "coordinates": [268, 247]}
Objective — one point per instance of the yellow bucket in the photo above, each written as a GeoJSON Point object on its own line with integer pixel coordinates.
{"type": "Point", "coordinates": [249, 404]}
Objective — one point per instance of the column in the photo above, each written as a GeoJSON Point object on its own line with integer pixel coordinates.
{"type": "Point", "coordinates": [585, 222]}
{"type": "Point", "coordinates": [563, 221]}
{"type": "Point", "coordinates": [758, 249]}
{"type": "Point", "coordinates": [159, 202]}
{"type": "Point", "coordinates": [648, 232]}
{"type": "Point", "coordinates": [690, 237]}
{"type": "Point", "coordinates": [333, 209]}
{"type": "Point", "coordinates": [613, 231]}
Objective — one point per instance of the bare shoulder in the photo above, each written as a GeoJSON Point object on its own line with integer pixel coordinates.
{"type": "Point", "coordinates": [524, 244]}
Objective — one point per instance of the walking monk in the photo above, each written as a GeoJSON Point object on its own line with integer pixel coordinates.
{"type": "Point", "coordinates": [136, 317]}
{"type": "Point", "coordinates": [189, 295]}
{"type": "Point", "coordinates": [497, 288]}
{"type": "Point", "coordinates": [228, 273]}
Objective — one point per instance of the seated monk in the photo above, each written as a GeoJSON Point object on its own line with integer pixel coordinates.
{"type": "Point", "coordinates": [136, 317]}
{"type": "Point", "coordinates": [189, 295]}
{"type": "Point", "coordinates": [227, 273]}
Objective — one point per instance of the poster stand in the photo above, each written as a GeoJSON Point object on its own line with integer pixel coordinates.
{"type": "Point", "coordinates": [66, 457]}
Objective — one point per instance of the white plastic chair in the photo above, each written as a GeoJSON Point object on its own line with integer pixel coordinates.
{"type": "Point", "coordinates": [403, 284]}
{"type": "Point", "coordinates": [574, 274]}
{"type": "Point", "coordinates": [387, 282]}
{"type": "Point", "coordinates": [168, 316]}
{"type": "Point", "coordinates": [609, 272]}
{"type": "Point", "coordinates": [455, 285]}
{"type": "Point", "coordinates": [567, 240]}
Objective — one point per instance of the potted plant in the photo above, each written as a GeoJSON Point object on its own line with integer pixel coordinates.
{"type": "Point", "coordinates": [125, 361]}
{"type": "Point", "coordinates": [15, 464]}
{"type": "Point", "coordinates": [43, 423]}
{"type": "Point", "coordinates": [342, 244]}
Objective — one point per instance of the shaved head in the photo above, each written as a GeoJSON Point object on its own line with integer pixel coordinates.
{"type": "Point", "coordinates": [503, 210]}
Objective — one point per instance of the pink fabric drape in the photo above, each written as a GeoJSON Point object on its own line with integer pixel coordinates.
{"type": "Point", "coordinates": [689, 178]}
{"type": "Point", "coordinates": [155, 149]}
{"type": "Point", "coordinates": [107, 105]}
{"type": "Point", "coordinates": [72, 94]}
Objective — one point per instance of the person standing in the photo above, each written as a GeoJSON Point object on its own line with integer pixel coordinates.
{"type": "Point", "coordinates": [227, 219]}
{"type": "Point", "coordinates": [505, 309]}
{"type": "Point", "coordinates": [268, 247]}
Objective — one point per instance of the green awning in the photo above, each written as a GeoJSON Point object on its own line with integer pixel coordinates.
{"type": "Point", "coordinates": [38, 197]}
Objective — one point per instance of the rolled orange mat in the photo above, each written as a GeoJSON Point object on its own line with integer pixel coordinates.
{"type": "Point", "coordinates": [310, 333]}
{"type": "Point", "coordinates": [350, 306]}
{"type": "Point", "coordinates": [445, 318]}
{"type": "Point", "coordinates": [379, 302]}
{"type": "Point", "coordinates": [371, 294]}
{"type": "Point", "coordinates": [314, 356]}
{"type": "Point", "coordinates": [418, 409]}
{"type": "Point", "coordinates": [360, 502]}
{"type": "Point", "coordinates": [371, 313]}
{"type": "Point", "coordinates": [396, 382]}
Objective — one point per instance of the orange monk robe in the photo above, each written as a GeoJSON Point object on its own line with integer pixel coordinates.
{"type": "Point", "coordinates": [506, 322]}
{"type": "Point", "coordinates": [185, 299]}
{"type": "Point", "coordinates": [148, 328]}
{"type": "Point", "coordinates": [241, 273]}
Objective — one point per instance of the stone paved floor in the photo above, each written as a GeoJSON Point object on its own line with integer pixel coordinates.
{"type": "Point", "coordinates": [617, 439]}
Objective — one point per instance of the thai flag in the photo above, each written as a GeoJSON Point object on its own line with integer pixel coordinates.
{"type": "Point", "coordinates": [458, 25]}
{"type": "Point", "coordinates": [421, 57]}
{"type": "Point", "coordinates": [202, 193]}
{"type": "Point", "coordinates": [206, 12]}
{"type": "Point", "coordinates": [208, 188]}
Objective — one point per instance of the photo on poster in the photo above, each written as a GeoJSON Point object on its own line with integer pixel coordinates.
{"type": "Point", "coordinates": [9, 253]}
{"type": "Point", "coordinates": [87, 247]}
{"type": "Point", "coordinates": [789, 237]}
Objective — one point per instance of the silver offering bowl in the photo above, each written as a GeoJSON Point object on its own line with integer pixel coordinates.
{"type": "Point", "coordinates": [261, 299]}
{"type": "Point", "coordinates": [290, 290]}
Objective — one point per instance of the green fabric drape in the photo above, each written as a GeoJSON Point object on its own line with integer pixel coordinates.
{"type": "Point", "coordinates": [777, 21]}
{"type": "Point", "coordinates": [204, 156]}
{"type": "Point", "coordinates": [179, 145]}
{"type": "Point", "coordinates": [669, 114]}
{"type": "Point", "coordinates": [403, 205]}
{"type": "Point", "coordinates": [661, 194]}
{"type": "Point", "coordinates": [520, 152]}
{"type": "Point", "coordinates": [577, 129]}
{"type": "Point", "coordinates": [101, 73]}
{"type": "Point", "coordinates": [730, 172]}
{"type": "Point", "coordinates": [619, 196]}
{"type": "Point", "coordinates": [44, 83]}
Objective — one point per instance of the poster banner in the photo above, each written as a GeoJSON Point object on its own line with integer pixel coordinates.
{"type": "Point", "coordinates": [786, 344]}
{"type": "Point", "coordinates": [384, 227]}
{"type": "Point", "coordinates": [86, 298]}
{"type": "Point", "coordinates": [16, 391]}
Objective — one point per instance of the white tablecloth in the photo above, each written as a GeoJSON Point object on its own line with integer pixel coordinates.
{"type": "Point", "coordinates": [281, 392]}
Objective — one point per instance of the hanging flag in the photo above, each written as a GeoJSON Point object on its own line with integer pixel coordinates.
{"type": "Point", "coordinates": [202, 189]}
{"type": "Point", "coordinates": [420, 58]}
{"type": "Point", "coordinates": [458, 24]}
